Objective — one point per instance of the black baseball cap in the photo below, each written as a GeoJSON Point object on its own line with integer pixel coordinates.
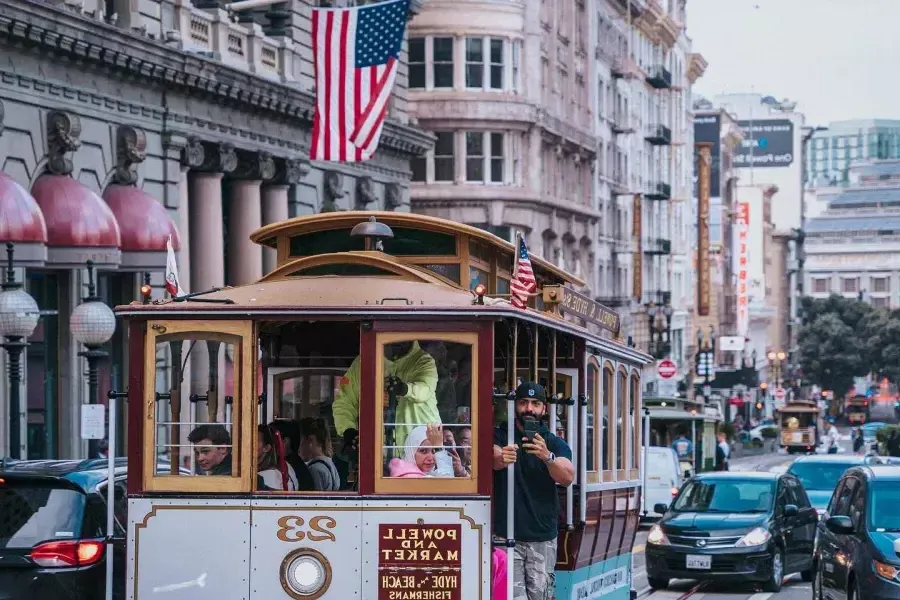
{"type": "Point", "coordinates": [530, 390]}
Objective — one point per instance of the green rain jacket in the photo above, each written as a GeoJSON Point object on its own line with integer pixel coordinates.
{"type": "Point", "coordinates": [419, 406]}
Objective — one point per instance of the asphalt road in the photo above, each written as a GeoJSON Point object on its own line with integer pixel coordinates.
{"type": "Point", "coordinates": [794, 588]}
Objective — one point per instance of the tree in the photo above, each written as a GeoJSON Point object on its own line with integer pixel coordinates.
{"type": "Point", "coordinates": [880, 337]}
{"type": "Point", "coordinates": [851, 311]}
{"type": "Point", "coordinates": [831, 354]}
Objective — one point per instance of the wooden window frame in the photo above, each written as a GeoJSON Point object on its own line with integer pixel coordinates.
{"type": "Point", "coordinates": [243, 459]}
{"type": "Point", "coordinates": [637, 442]}
{"type": "Point", "coordinates": [621, 405]}
{"type": "Point", "coordinates": [594, 385]}
{"type": "Point", "coordinates": [425, 485]}
{"type": "Point", "coordinates": [609, 395]}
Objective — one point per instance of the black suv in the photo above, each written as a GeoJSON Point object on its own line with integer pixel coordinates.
{"type": "Point", "coordinates": [754, 527]}
{"type": "Point", "coordinates": [53, 530]}
{"type": "Point", "coordinates": [857, 552]}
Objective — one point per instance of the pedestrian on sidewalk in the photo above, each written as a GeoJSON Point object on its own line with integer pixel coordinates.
{"type": "Point", "coordinates": [723, 451]}
{"type": "Point", "coordinates": [858, 441]}
{"type": "Point", "coordinates": [832, 437]}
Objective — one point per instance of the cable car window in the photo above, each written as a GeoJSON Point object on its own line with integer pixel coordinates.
{"type": "Point", "coordinates": [502, 286]}
{"type": "Point", "coordinates": [427, 414]}
{"type": "Point", "coordinates": [606, 415]}
{"type": "Point", "coordinates": [406, 242]}
{"type": "Point", "coordinates": [637, 435]}
{"type": "Point", "coordinates": [447, 270]}
{"type": "Point", "coordinates": [196, 397]}
{"type": "Point", "coordinates": [477, 276]}
{"type": "Point", "coordinates": [621, 418]}
{"type": "Point", "coordinates": [593, 391]}
{"type": "Point", "coordinates": [343, 269]}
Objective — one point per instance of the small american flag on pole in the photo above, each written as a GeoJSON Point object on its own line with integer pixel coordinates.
{"type": "Point", "coordinates": [523, 283]}
{"type": "Point", "coordinates": [173, 284]}
{"type": "Point", "coordinates": [356, 53]}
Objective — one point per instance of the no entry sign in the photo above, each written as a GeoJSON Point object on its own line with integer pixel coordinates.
{"type": "Point", "coordinates": [667, 369]}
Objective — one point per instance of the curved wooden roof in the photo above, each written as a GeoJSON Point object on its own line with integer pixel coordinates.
{"type": "Point", "coordinates": [269, 234]}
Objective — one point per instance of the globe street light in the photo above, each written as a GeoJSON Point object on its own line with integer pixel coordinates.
{"type": "Point", "coordinates": [93, 323]}
{"type": "Point", "coordinates": [18, 317]}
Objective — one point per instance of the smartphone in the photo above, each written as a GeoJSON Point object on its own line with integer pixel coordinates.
{"type": "Point", "coordinates": [531, 427]}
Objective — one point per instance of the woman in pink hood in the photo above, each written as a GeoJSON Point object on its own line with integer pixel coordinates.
{"type": "Point", "coordinates": [419, 451]}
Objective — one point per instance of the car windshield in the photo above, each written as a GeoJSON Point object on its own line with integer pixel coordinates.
{"type": "Point", "coordinates": [34, 512]}
{"type": "Point", "coordinates": [819, 475]}
{"type": "Point", "coordinates": [884, 497]}
{"type": "Point", "coordinates": [725, 496]}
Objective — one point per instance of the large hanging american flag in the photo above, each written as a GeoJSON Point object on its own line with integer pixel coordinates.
{"type": "Point", "coordinates": [523, 283]}
{"type": "Point", "coordinates": [356, 53]}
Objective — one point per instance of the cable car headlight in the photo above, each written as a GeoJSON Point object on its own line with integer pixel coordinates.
{"type": "Point", "coordinates": [479, 291]}
{"type": "Point", "coordinates": [305, 574]}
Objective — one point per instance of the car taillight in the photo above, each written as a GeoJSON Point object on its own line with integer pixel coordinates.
{"type": "Point", "coordinates": [68, 554]}
{"type": "Point", "coordinates": [674, 491]}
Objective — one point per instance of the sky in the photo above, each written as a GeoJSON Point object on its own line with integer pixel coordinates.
{"type": "Point", "coordinates": [836, 58]}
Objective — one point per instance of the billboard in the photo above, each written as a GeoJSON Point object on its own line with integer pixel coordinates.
{"type": "Point", "coordinates": [704, 162]}
{"type": "Point", "coordinates": [769, 141]}
{"type": "Point", "coordinates": [707, 128]}
{"type": "Point", "coordinates": [637, 288]}
{"type": "Point", "coordinates": [743, 254]}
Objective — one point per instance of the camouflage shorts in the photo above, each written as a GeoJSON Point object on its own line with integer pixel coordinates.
{"type": "Point", "coordinates": [533, 571]}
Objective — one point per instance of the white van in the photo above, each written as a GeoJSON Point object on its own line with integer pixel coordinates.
{"type": "Point", "coordinates": [664, 479]}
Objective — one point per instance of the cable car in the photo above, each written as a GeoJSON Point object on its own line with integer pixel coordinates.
{"type": "Point", "coordinates": [371, 327]}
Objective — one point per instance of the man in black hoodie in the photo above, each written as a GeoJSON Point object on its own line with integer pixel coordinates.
{"type": "Point", "coordinates": [212, 444]}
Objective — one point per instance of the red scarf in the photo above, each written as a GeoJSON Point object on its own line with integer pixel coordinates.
{"type": "Point", "coordinates": [282, 464]}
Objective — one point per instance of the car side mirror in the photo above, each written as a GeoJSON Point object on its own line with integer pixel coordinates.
{"type": "Point", "coordinates": [791, 510]}
{"type": "Point", "coordinates": [840, 525]}
{"type": "Point", "coordinates": [660, 508]}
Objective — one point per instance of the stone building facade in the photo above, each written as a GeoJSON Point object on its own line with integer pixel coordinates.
{"type": "Point", "coordinates": [506, 89]}
{"type": "Point", "coordinates": [126, 122]}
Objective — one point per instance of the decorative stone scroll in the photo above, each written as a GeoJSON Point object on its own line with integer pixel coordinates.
{"type": "Point", "coordinates": [333, 191]}
{"type": "Point", "coordinates": [254, 166]}
{"type": "Point", "coordinates": [365, 193]}
{"type": "Point", "coordinates": [211, 157]}
{"type": "Point", "coordinates": [131, 150]}
{"type": "Point", "coordinates": [393, 197]}
{"type": "Point", "coordinates": [63, 136]}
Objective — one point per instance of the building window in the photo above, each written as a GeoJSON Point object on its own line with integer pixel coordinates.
{"type": "Point", "coordinates": [881, 284]}
{"type": "Point", "coordinates": [485, 69]}
{"type": "Point", "coordinates": [485, 157]}
{"type": "Point", "coordinates": [417, 63]}
{"type": "Point", "coordinates": [821, 286]}
{"type": "Point", "coordinates": [444, 157]}
{"type": "Point", "coordinates": [850, 285]}
{"type": "Point", "coordinates": [881, 302]}
{"type": "Point", "coordinates": [443, 62]}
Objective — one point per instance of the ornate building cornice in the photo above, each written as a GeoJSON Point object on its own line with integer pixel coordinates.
{"type": "Point", "coordinates": [696, 66]}
{"type": "Point", "coordinates": [64, 35]}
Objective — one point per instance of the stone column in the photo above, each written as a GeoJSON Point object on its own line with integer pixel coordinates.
{"type": "Point", "coordinates": [244, 217]}
{"type": "Point", "coordinates": [274, 209]}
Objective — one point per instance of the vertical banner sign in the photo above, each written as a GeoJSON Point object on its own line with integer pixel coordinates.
{"type": "Point", "coordinates": [743, 293]}
{"type": "Point", "coordinates": [419, 561]}
{"type": "Point", "coordinates": [637, 288]}
{"type": "Point", "coordinates": [704, 164]}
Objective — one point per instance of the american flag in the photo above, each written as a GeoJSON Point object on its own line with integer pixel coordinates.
{"type": "Point", "coordinates": [173, 285]}
{"type": "Point", "coordinates": [523, 282]}
{"type": "Point", "coordinates": [356, 53]}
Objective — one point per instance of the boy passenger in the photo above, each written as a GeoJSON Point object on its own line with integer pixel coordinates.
{"type": "Point", "coordinates": [212, 445]}
{"type": "Point", "coordinates": [545, 462]}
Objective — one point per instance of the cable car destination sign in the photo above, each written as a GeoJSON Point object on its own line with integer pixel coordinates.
{"type": "Point", "coordinates": [419, 562]}
{"type": "Point", "coordinates": [570, 302]}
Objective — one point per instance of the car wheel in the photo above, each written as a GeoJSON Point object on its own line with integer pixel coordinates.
{"type": "Point", "coordinates": [774, 583]}
{"type": "Point", "coordinates": [658, 583]}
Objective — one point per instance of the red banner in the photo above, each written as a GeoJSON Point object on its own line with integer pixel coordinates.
{"type": "Point", "coordinates": [419, 562]}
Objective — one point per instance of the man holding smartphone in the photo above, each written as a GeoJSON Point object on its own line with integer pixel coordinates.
{"type": "Point", "coordinates": [542, 460]}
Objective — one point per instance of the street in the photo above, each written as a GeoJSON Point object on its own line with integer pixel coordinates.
{"type": "Point", "coordinates": [794, 588]}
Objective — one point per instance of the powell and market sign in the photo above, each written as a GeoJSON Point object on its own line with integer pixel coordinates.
{"type": "Point", "coordinates": [770, 142]}
{"type": "Point", "coordinates": [570, 302]}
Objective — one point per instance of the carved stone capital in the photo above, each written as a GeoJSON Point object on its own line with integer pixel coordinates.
{"type": "Point", "coordinates": [333, 190]}
{"type": "Point", "coordinates": [365, 193]}
{"type": "Point", "coordinates": [209, 157]}
{"type": "Point", "coordinates": [63, 136]}
{"type": "Point", "coordinates": [393, 196]}
{"type": "Point", "coordinates": [131, 150]}
{"type": "Point", "coordinates": [193, 155]}
{"type": "Point", "coordinates": [254, 166]}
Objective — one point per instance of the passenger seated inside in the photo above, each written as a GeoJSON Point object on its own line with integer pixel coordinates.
{"type": "Point", "coordinates": [290, 438]}
{"type": "Point", "coordinates": [212, 447]}
{"type": "Point", "coordinates": [316, 450]}
{"type": "Point", "coordinates": [423, 455]}
{"type": "Point", "coordinates": [410, 376]}
{"type": "Point", "coordinates": [276, 473]}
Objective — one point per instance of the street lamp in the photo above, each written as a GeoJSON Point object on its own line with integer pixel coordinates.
{"type": "Point", "coordinates": [18, 317]}
{"type": "Point", "coordinates": [92, 323]}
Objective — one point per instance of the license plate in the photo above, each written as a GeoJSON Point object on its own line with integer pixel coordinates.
{"type": "Point", "coordinates": [698, 561]}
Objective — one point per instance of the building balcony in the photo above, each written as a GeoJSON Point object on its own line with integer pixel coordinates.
{"type": "Point", "coordinates": [657, 247]}
{"type": "Point", "coordinates": [658, 191]}
{"type": "Point", "coordinates": [659, 77]}
{"type": "Point", "coordinates": [659, 135]}
{"type": "Point", "coordinates": [623, 67]}
{"type": "Point", "coordinates": [618, 185]}
{"type": "Point", "coordinates": [614, 301]}
{"type": "Point", "coordinates": [621, 125]}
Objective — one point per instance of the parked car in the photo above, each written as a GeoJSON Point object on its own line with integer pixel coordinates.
{"type": "Point", "coordinates": [820, 474]}
{"type": "Point", "coordinates": [53, 529]}
{"type": "Point", "coordinates": [735, 526]}
{"type": "Point", "coordinates": [664, 478]}
{"type": "Point", "coordinates": [856, 552]}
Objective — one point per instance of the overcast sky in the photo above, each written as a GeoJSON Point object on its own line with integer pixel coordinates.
{"type": "Point", "coordinates": [836, 58]}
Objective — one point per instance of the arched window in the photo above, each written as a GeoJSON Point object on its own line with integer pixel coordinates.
{"type": "Point", "coordinates": [638, 430]}
{"type": "Point", "coordinates": [622, 419]}
{"type": "Point", "coordinates": [606, 415]}
{"type": "Point", "coordinates": [593, 408]}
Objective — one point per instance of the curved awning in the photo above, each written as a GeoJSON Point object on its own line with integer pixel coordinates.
{"type": "Point", "coordinates": [22, 223]}
{"type": "Point", "coordinates": [80, 225]}
{"type": "Point", "coordinates": [145, 225]}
